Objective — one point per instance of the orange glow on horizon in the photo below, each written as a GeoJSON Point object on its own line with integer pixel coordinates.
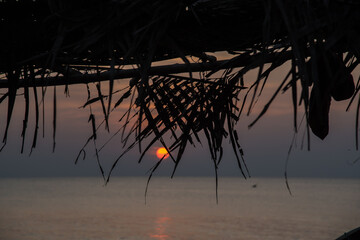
{"type": "Point", "coordinates": [161, 152]}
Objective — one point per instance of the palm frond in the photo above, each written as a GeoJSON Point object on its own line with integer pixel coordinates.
{"type": "Point", "coordinates": [53, 43]}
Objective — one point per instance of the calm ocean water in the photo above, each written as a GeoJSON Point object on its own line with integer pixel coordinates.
{"type": "Point", "coordinates": [180, 208]}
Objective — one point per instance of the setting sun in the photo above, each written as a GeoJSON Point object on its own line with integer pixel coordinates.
{"type": "Point", "coordinates": [160, 152]}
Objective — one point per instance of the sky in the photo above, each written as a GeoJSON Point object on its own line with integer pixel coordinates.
{"type": "Point", "coordinates": [265, 145]}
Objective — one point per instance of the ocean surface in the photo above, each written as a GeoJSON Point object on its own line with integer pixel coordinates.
{"type": "Point", "coordinates": [179, 208]}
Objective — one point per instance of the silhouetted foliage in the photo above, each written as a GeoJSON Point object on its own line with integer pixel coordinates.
{"type": "Point", "coordinates": [55, 42]}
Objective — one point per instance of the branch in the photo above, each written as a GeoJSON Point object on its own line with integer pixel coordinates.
{"type": "Point", "coordinates": [159, 70]}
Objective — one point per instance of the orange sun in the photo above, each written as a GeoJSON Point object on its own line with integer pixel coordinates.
{"type": "Point", "coordinates": [161, 152]}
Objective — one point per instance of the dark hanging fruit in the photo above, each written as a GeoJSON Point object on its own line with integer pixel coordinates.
{"type": "Point", "coordinates": [342, 84]}
{"type": "Point", "coordinates": [319, 112]}
{"type": "Point", "coordinates": [331, 79]}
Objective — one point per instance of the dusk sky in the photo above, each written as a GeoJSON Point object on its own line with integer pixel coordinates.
{"type": "Point", "coordinates": [265, 145]}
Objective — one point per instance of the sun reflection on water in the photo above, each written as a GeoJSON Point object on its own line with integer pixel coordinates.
{"type": "Point", "coordinates": [161, 224]}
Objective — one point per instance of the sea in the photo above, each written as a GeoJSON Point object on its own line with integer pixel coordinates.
{"type": "Point", "coordinates": [182, 208]}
